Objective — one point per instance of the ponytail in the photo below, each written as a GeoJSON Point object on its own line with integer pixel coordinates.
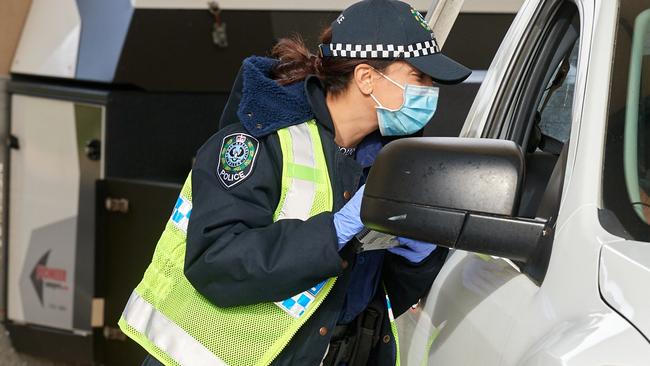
{"type": "Point", "coordinates": [296, 62]}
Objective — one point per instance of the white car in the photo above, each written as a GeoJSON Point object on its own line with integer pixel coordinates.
{"type": "Point", "coordinates": [544, 199]}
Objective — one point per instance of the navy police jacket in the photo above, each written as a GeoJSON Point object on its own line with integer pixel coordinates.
{"type": "Point", "coordinates": [236, 254]}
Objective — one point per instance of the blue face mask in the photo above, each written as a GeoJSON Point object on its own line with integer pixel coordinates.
{"type": "Point", "coordinates": [420, 104]}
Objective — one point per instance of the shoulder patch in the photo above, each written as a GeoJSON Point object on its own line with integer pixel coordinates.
{"type": "Point", "coordinates": [236, 158]}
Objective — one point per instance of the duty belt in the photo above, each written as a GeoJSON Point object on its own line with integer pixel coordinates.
{"type": "Point", "coordinates": [351, 344]}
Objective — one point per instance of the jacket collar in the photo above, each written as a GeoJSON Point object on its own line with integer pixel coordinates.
{"type": "Point", "coordinates": [316, 97]}
{"type": "Point", "coordinates": [266, 106]}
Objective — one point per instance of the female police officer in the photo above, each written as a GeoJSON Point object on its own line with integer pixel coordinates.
{"type": "Point", "coordinates": [258, 264]}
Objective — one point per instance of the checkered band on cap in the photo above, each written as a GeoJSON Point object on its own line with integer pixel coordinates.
{"type": "Point", "coordinates": [425, 48]}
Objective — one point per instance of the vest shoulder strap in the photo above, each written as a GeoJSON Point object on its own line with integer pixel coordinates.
{"type": "Point", "coordinates": [306, 189]}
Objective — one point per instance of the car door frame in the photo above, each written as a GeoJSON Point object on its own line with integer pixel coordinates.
{"type": "Point", "coordinates": [496, 88]}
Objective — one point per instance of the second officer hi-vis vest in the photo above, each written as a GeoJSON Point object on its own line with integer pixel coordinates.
{"type": "Point", "coordinates": [178, 326]}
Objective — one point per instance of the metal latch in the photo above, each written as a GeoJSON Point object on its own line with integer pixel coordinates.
{"type": "Point", "coordinates": [114, 334]}
{"type": "Point", "coordinates": [120, 205]}
{"type": "Point", "coordinates": [12, 142]}
{"type": "Point", "coordinates": [93, 149]}
{"type": "Point", "coordinates": [219, 35]}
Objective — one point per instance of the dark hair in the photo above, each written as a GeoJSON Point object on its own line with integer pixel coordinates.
{"type": "Point", "coordinates": [297, 62]}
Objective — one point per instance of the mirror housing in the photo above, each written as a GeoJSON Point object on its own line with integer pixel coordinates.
{"type": "Point", "coordinates": [454, 192]}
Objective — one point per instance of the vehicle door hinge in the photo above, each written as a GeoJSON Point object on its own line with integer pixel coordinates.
{"type": "Point", "coordinates": [12, 142]}
{"type": "Point", "coordinates": [120, 205]}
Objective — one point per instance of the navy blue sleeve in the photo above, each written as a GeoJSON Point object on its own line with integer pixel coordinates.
{"type": "Point", "coordinates": [406, 282]}
{"type": "Point", "coordinates": [236, 254]}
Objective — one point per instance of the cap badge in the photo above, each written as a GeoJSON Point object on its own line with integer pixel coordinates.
{"type": "Point", "coordinates": [420, 19]}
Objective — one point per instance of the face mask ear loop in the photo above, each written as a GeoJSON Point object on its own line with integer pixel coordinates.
{"type": "Point", "coordinates": [394, 82]}
{"type": "Point", "coordinates": [391, 80]}
{"type": "Point", "coordinates": [376, 101]}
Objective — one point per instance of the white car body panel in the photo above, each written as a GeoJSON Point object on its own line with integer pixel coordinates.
{"type": "Point", "coordinates": [624, 279]}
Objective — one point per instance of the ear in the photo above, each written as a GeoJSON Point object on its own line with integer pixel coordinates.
{"type": "Point", "coordinates": [363, 78]}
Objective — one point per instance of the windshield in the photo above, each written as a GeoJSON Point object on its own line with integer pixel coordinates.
{"type": "Point", "coordinates": [627, 160]}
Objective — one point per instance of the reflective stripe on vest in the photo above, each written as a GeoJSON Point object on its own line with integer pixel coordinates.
{"type": "Point", "coordinates": [300, 174]}
{"type": "Point", "coordinates": [178, 326]}
{"type": "Point", "coordinates": [303, 179]}
{"type": "Point", "coordinates": [165, 335]}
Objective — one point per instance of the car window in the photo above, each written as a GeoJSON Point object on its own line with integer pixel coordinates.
{"type": "Point", "coordinates": [556, 108]}
{"type": "Point", "coordinates": [636, 146]}
{"type": "Point", "coordinates": [543, 111]}
{"type": "Point", "coordinates": [535, 110]}
{"type": "Point", "coordinates": [626, 190]}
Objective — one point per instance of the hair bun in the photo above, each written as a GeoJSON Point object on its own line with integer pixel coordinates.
{"type": "Point", "coordinates": [296, 62]}
{"type": "Point", "coordinates": [317, 63]}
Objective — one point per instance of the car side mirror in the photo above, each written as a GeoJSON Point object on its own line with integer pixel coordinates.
{"type": "Point", "coordinates": [455, 192]}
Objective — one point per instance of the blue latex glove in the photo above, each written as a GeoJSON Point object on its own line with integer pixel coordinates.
{"type": "Point", "coordinates": [413, 250]}
{"type": "Point", "coordinates": [348, 220]}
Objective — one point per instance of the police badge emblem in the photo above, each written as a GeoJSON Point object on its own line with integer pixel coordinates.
{"type": "Point", "coordinates": [236, 159]}
{"type": "Point", "coordinates": [420, 19]}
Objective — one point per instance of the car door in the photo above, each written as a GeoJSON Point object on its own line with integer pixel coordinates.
{"type": "Point", "coordinates": [625, 261]}
{"type": "Point", "coordinates": [529, 97]}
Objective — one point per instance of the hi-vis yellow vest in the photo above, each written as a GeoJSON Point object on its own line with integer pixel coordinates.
{"type": "Point", "coordinates": [178, 326]}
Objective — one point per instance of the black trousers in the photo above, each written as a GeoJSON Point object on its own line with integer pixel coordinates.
{"type": "Point", "coordinates": [151, 361]}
